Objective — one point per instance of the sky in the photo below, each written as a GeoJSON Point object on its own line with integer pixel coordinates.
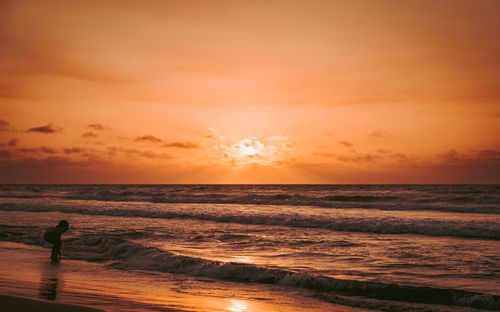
{"type": "Point", "coordinates": [355, 91]}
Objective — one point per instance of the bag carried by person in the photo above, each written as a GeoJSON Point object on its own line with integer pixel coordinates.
{"type": "Point", "coordinates": [50, 235]}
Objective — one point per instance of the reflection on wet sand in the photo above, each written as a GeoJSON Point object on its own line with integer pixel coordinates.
{"type": "Point", "coordinates": [49, 282]}
{"type": "Point", "coordinates": [238, 306]}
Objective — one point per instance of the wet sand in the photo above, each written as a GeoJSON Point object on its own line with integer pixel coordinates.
{"type": "Point", "coordinates": [15, 304]}
{"type": "Point", "coordinates": [30, 282]}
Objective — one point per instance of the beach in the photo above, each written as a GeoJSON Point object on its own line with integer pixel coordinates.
{"type": "Point", "coordinates": [254, 247]}
{"type": "Point", "coordinates": [11, 304]}
{"type": "Point", "coordinates": [250, 156]}
{"type": "Point", "coordinates": [30, 282]}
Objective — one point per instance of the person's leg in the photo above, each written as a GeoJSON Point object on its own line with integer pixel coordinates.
{"type": "Point", "coordinates": [56, 249]}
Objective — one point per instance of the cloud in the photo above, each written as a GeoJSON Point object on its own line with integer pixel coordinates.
{"type": "Point", "coordinates": [489, 155]}
{"type": "Point", "coordinates": [324, 154]}
{"type": "Point", "coordinates": [453, 157]}
{"type": "Point", "coordinates": [214, 134]}
{"type": "Point", "coordinates": [113, 151]}
{"type": "Point", "coordinates": [97, 127]}
{"type": "Point", "coordinates": [12, 142]}
{"type": "Point", "coordinates": [382, 156]}
{"type": "Point", "coordinates": [346, 143]}
{"type": "Point", "coordinates": [400, 156]}
{"type": "Point", "coordinates": [53, 169]}
{"type": "Point", "coordinates": [5, 154]}
{"type": "Point", "coordinates": [250, 151]}
{"type": "Point", "coordinates": [378, 134]}
{"type": "Point", "coordinates": [151, 155]}
{"type": "Point", "coordinates": [47, 150]}
{"type": "Point", "coordinates": [148, 138]}
{"type": "Point", "coordinates": [4, 125]}
{"type": "Point", "coordinates": [74, 150]}
{"type": "Point", "coordinates": [359, 158]}
{"type": "Point", "coordinates": [495, 115]}
{"type": "Point", "coordinates": [88, 135]}
{"type": "Point", "coordinates": [41, 149]}
{"type": "Point", "coordinates": [27, 150]}
{"type": "Point", "coordinates": [186, 145]}
{"type": "Point", "coordinates": [66, 169]}
{"type": "Point", "coordinates": [45, 129]}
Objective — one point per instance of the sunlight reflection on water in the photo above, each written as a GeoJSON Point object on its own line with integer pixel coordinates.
{"type": "Point", "coordinates": [238, 306]}
{"type": "Point", "coordinates": [243, 259]}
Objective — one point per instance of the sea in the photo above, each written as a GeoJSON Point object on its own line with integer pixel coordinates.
{"type": "Point", "coordinates": [380, 247]}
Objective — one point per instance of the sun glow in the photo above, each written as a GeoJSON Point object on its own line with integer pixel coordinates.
{"type": "Point", "coordinates": [244, 259]}
{"type": "Point", "coordinates": [238, 306]}
{"type": "Point", "coordinates": [248, 151]}
{"type": "Point", "coordinates": [252, 150]}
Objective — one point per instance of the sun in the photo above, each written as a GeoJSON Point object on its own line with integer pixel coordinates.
{"type": "Point", "coordinates": [248, 151]}
{"type": "Point", "coordinates": [251, 150]}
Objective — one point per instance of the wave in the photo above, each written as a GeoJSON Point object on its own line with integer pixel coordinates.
{"type": "Point", "coordinates": [15, 195]}
{"type": "Point", "coordinates": [125, 254]}
{"type": "Point", "coordinates": [465, 199]}
{"type": "Point", "coordinates": [135, 256]}
{"type": "Point", "coordinates": [117, 250]}
{"type": "Point", "coordinates": [359, 198]}
{"type": "Point", "coordinates": [469, 205]}
{"type": "Point", "coordinates": [380, 225]}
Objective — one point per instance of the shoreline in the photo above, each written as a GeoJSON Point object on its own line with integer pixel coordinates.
{"type": "Point", "coordinates": [29, 282]}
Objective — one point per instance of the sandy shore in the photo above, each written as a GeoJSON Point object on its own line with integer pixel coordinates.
{"type": "Point", "coordinates": [30, 282]}
{"type": "Point", "coordinates": [15, 304]}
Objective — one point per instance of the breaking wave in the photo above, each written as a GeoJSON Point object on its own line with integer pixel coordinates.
{"type": "Point", "coordinates": [382, 225]}
{"type": "Point", "coordinates": [121, 253]}
{"type": "Point", "coordinates": [465, 199]}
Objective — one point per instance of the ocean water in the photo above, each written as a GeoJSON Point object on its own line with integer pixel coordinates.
{"type": "Point", "coordinates": [382, 247]}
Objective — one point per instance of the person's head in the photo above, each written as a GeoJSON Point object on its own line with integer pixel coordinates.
{"type": "Point", "coordinates": [63, 225]}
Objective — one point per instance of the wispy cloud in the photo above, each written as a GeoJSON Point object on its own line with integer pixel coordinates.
{"type": "Point", "coordinates": [186, 145]}
{"type": "Point", "coordinates": [113, 151]}
{"type": "Point", "coordinates": [45, 129]}
{"type": "Point", "coordinates": [27, 150]}
{"type": "Point", "coordinates": [41, 149]}
{"type": "Point", "coordinates": [148, 138]}
{"type": "Point", "coordinates": [5, 154]}
{"type": "Point", "coordinates": [324, 154]}
{"type": "Point", "coordinates": [89, 135]}
{"type": "Point", "coordinates": [346, 143]}
{"type": "Point", "coordinates": [47, 150]}
{"type": "Point", "coordinates": [378, 134]}
{"type": "Point", "coordinates": [451, 156]}
{"type": "Point", "coordinates": [4, 125]}
{"type": "Point", "coordinates": [97, 127]}
{"type": "Point", "coordinates": [214, 134]}
{"type": "Point", "coordinates": [151, 155]}
{"type": "Point", "coordinates": [454, 157]}
{"type": "Point", "coordinates": [74, 150]}
{"type": "Point", "coordinates": [362, 158]}
{"type": "Point", "coordinates": [12, 142]}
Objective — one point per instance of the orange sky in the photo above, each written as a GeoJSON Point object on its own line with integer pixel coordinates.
{"type": "Point", "coordinates": [254, 91]}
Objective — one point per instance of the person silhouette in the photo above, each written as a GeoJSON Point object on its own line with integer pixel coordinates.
{"type": "Point", "coordinates": [53, 236]}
